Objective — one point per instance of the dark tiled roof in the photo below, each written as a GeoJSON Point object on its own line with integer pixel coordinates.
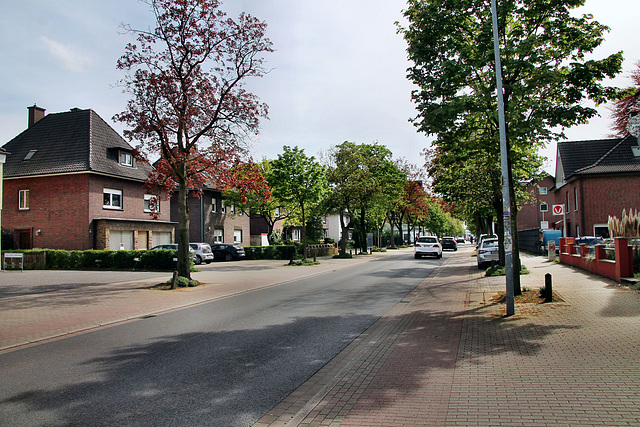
{"type": "Point", "coordinates": [598, 157]}
{"type": "Point", "coordinates": [73, 141]}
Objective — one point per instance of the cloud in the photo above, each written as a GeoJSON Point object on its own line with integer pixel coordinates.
{"type": "Point", "coordinates": [67, 57]}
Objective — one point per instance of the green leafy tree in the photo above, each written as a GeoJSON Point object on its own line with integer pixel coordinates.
{"type": "Point", "coordinates": [362, 176]}
{"type": "Point", "coordinates": [546, 76]}
{"type": "Point", "coordinates": [259, 201]}
{"type": "Point", "coordinates": [300, 183]}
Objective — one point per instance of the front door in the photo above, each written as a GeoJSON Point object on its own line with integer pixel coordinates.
{"type": "Point", "coordinates": [24, 239]}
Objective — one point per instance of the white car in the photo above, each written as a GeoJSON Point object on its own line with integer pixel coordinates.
{"type": "Point", "coordinates": [487, 252]}
{"type": "Point", "coordinates": [427, 245]}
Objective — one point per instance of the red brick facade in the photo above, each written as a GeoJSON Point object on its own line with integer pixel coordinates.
{"type": "Point", "coordinates": [64, 210]}
{"type": "Point", "coordinates": [589, 201]}
{"type": "Point", "coordinates": [207, 217]}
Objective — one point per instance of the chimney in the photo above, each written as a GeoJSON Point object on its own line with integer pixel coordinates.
{"type": "Point", "coordinates": [35, 114]}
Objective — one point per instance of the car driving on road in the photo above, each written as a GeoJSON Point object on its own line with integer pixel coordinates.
{"type": "Point", "coordinates": [427, 245]}
{"type": "Point", "coordinates": [449, 243]}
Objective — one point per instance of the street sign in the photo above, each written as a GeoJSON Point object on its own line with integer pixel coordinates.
{"type": "Point", "coordinates": [558, 209]}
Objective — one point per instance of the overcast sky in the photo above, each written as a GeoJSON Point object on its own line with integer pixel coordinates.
{"type": "Point", "coordinates": [338, 73]}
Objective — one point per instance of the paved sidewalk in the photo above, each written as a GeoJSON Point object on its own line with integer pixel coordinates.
{"type": "Point", "coordinates": [447, 356]}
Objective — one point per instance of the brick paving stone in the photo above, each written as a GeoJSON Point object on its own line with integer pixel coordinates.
{"type": "Point", "coordinates": [456, 360]}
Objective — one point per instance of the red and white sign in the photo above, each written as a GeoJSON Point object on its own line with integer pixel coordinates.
{"type": "Point", "coordinates": [558, 209]}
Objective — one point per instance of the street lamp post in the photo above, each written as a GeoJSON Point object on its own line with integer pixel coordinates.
{"type": "Point", "coordinates": [504, 164]}
{"type": "Point", "coordinates": [3, 157]}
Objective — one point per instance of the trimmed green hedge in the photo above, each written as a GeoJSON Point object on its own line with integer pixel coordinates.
{"type": "Point", "coordinates": [271, 252]}
{"type": "Point", "coordinates": [158, 260]}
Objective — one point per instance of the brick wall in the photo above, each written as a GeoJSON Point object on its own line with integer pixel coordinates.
{"type": "Point", "coordinates": [64, 207]}
{"type": "Point", "coordinates": [609, 195]}
{"type": "Point", "coordinates": [203, 222]}
{"type": "Point", "coordinates": [58, 207]}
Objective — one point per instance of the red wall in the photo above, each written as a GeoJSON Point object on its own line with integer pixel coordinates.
{"type": "Point", "coordinates": [58, 206]}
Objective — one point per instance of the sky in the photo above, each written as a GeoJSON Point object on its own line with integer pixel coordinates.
{"type": "Point", "coordinates": [338, 73]}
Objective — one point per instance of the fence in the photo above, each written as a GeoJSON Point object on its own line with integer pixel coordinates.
{"type": "Point", "coordinates": [529, 241]}
{"type": "Point", "coordinates": [622, 266]}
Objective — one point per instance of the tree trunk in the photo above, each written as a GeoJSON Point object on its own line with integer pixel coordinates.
{"type": "Point", "coordinates": [184, 264]}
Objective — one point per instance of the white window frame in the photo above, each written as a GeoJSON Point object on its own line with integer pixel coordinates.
{"type": "Point", "coordinates": [147, 198]}
{"type": "Point", "coordinates": [237, 235]}
{"type": "Point", "coordinates": [214, 205]}
{"type": "Point", "coordinates": [112, 192]}
{"type": "Point", "coordinates": [218, 235]}
{"type": "Point", "coordinates": [125, 158]}
{"type": "Point", "coordinates": [223, 208]}
{"type": "Point", "coordinates": [296, 234]}
{"type": "Point", "coordinates": [23, 200]}
{"type": "Point", "coordinates": [575, 198]}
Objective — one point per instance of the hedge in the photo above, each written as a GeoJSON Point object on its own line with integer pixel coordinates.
{"type": "Point", "coordinates": [157, 260]}
{"type": "Point", "coordinates": [271, 252]}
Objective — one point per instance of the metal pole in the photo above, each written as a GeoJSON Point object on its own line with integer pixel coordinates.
{"type": "Point", "coordinates": [506, 200]}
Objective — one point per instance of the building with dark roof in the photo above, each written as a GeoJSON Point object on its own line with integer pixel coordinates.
{"type": "Point", "coordinates": [594, 179]}
{"type": "Point", "coordinates": [72, 182]}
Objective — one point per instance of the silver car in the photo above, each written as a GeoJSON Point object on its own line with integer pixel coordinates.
{"type": "Point", "coordinates": [427, 245]}
{"type": "Point", "coordinates": [203, 252]}
{"type": "Point", "coordinates": [487, 251]}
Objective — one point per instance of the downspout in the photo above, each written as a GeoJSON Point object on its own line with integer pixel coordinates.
{"type": "Point", "coordinates": [582, 209]}
{"type": "Point", "coordinates": [202, 218]}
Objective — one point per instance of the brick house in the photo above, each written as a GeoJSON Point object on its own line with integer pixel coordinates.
{"type": "Point", "coordinates": [594, 179]}
{"type": "Point", "coordinates": [71, 182]}
{"type": "Point", "coordinates": [210, 221]}
{"type": "Point", "coordinates": [536, 212]}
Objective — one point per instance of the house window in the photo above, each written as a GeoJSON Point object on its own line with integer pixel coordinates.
{"type": "Point", "coordinates": [223, 208]}
{"type": "Point", "coordinates": [568, 204]}
{"type": "Point", "coordinates": [237, 236]}
{"type": "Point", "coordinates": [214, 205]}
{"type": "Point", "coordinates": [543, 191]}
{"type": "Point", "coordinates": [112, 199]}
{"type": "Point", "coordinates": [126, 159]}
{"type": "Point", "coordinates": [544, 207]}
{"type": "Point", "coordinates": [218, 235]}
{"type": "Point", "coordinates": [296, 235]}
{"type": "Point", "coordinates": [575, 198]}
{"type": "Point", "coordinates": [277, 212]}
{"type": "Point", "coordinates": [233, 209]}
{"type": "Point", "coordinates": [151, 203]}
{"type": "Point", "coordinates": [23, 200]}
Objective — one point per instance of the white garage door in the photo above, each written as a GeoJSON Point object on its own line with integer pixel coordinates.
{"type": "Point", "coordinates": [120, 240]}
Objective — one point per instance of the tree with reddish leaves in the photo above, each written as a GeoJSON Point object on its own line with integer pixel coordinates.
{"type": "Point", "coordinates": [626, 106]}
{"type": "Point", "coordinates": [188, 105]}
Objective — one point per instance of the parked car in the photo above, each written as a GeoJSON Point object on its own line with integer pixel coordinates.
{"type": "Point", "coordinates": [228, 252]}
{"type": "Point", "coordinates": [203, 253]}
{"type": "Point", "coordinates": [449, 243]}
{"type": "Point", "coordinates": [460, 240]}
{"type": "Point", "coordinates": [487, 251]}
{"type": "Point", "coordinates": [427, 245]}
{"type": "Point", "coordinates": [174, 247]}
{"type": "Point", "coordinates": [485, 236]}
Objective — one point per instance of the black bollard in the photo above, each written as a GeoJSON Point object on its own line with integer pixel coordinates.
{"type": "Point", "coordinates": [548, 288]}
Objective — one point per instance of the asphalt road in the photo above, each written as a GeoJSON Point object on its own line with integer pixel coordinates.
{"type": "Point", "coordinates": [223, 363]}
